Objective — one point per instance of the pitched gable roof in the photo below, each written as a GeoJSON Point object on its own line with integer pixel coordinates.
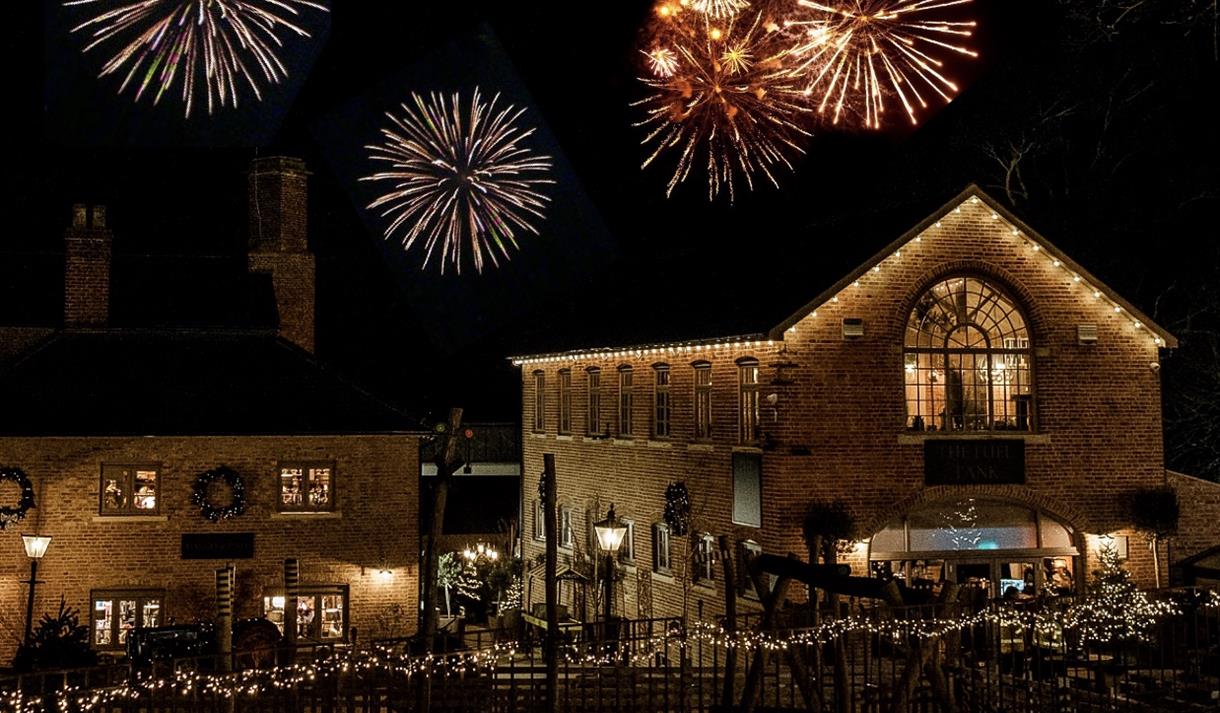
{"type": "Point", "coordinates": [178, 382]}
{"type": "Point", "coordinates": [971, 194]}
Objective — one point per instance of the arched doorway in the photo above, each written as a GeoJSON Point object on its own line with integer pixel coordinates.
{"type": "Point", "coordinates": [1005, 549]}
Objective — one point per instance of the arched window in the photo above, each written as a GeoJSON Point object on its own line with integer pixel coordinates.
{"type": "Point", "coordinates": [991, 544]}
{"type": "Point", "coordinates": [967, 360]}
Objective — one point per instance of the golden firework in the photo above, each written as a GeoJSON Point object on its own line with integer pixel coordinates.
{"type": "Point", "coordinates": [719, 9]}
{"type": "Point", "coordinates": [729, 102]}
{"type": "Point", "coordinates": [858, 56]}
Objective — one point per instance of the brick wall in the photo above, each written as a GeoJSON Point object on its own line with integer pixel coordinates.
{"type": "Point", "coordinates": [87, 253]}
{"type": "Point", "coordinates": [836, 417]}
{"type": "Point", "coordinates": [376, 482]}
{"type": "Point", "coordinates": [1198, 529]}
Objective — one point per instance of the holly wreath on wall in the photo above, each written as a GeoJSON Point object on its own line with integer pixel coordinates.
{"type": "Point", "coordinates": [205, 491]}
{"type": "Point", "coordinates": [25, 501]}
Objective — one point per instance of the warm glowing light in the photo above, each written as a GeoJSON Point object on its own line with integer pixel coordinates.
{"type": "Point", "coordinates": [663, 62]}
{"type": "Point", "coordinates": [218, 46]}
{"type": "Point", "coordinates": [858, 56]}
{"type": "Point", "coordinates": [730, 105]}
{"type": "Point", "coordinates": [463, 180]}
{"type": "Point", "coordinates": [720, 9]}
{"type": "Point", "coordinates": [35, 545]}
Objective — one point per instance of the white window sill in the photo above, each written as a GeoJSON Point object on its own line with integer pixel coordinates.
{"type": "Point", "coordinates": [564, 437]}
{"type": "Point", "coordinates": [621, 441]}
{"type": "Point", "coordinates": [306, 516]}
{"type": "Point", "coordinates": [747, 449]}
{"type": "Point", "coordinates": [655, 443]}
{"type": "Point", "coordinates": [131, 518]}
{"type": "Point", "coordinates": [662, 577]}
{"type": "Point", "coordinates": [914, 439]}
{"type": "Point", "coordinates": [706, 447]}
{"type": "Point", "coordinates": [537, 435]}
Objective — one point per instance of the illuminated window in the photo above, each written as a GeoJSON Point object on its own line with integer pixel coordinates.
{"type": "Point", "coordinates": [116, 612]}
{"type": "Point", "coordinates": [321, 612]}
{"type": "Point", "coordinates": [130, 490]}
{"type": "Point", "coordinates": [703, 401]}
{"type": "Point", "coordinates": [660, 401]}
{"type": "Point", "coordinates": [747, 400]}
{"type": "Point", "coordinates": [626, 400]}
{"type": "Point", "coordinates": [967, 360]}
{"type": "Point", "coordinates": [307, 487]}
{"type": "Point", "coordinates": [594, 412]}
{"type": "Point", "coordinates": [660, 548]}
{"type": "Point", "coordinates": [565, 401]}
{"type": "Point", "coordinates": [539, 402]}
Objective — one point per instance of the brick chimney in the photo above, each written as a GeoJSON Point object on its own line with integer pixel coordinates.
{"type": "Point", "coordinates": [87, 251]}
{"type": "Point", "coordinates": [279, 245]}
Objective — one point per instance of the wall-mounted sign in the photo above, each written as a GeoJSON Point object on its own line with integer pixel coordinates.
{"type": "Point", "coordinates": [218, 546]}
{"type": "Point", "coordinates": [974, 462]}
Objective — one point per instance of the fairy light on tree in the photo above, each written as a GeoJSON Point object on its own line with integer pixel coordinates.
{"type": "Point", "coordinates": [722, 96]}
{"type": "Point", "coordinates": [463, 179]}
{"type": "Point", "coordinates": [220, 47]}
{"type": "Point", "coordinates": [1115, 609]}
{"type": "Point", "coordinates": [857, 57]}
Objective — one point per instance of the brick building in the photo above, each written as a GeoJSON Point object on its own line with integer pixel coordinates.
{"type": "Point", "coordinates": [979, 402]}
{"type": "Point", "coordinates": [113, 416]}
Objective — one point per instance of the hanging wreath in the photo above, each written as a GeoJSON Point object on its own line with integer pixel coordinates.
{"type": "Point", "coordinates": [677, 508]}
{"type": "Point", "coordinates": [237, 489]}
{"type": "Point", "coordinates": [8, 514]}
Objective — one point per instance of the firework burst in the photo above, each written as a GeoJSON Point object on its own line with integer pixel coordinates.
{"type": "Point", "coordinates": [461, 178]}
{"type": "Point", "coordinates": [720, 9]}
{"type": "Point", "coordinates": [221, 45]}
{"type": "Point", "coordinates": [859, 55]}
{"type": "Point", "coordinates": [726, 98]}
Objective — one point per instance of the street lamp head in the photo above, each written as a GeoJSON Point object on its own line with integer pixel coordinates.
{"type": "Point", "coordinates": [36, 545]}
{"type": "Point", "coordinates": [610, 532]}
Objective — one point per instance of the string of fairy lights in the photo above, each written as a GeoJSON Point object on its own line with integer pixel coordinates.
{"type": "Point", "coordinates": [876, 270]}
{"type": "Point", "coordinates": [1129, 615]}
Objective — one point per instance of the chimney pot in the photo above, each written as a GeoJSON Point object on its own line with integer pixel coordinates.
{"type": "Point", "coordinates": [87, 255]}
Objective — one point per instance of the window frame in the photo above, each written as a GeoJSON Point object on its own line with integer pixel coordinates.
{"type": "Point", "coordinates": [567, 528]}
{"type": "Point", "coordinates": [662, 402]}
{"type": "Point", "coordinates": [316, 591]}
{"type": "Point", "coordinates": [539, 401]}
{"type": "Point", "coordinates": [593, 405]}
{"type": "Point", "coordinates": [1008, 350]}
{"type": "Point", "coordinates": [703, 423]}
{"type": "Point", "coordinates": [704, 571]}
{"type": "Point", "coordinates": [306, 467]}
{"type": "Point", "coordinates": [749, 421]}
{"type": "Point", "coordinates": [626, 553]}
{"type": "Point", "coordinates": [141, 596]}
{"type": "Point", "coordinates": [129, 471]}
{"type": "Point", "coordinates": [662, 543]}
{"type": "Point", "coordinates": [746, 582]}
{"type": "Point", "coordinates": [539, 521]}
{"type": "Point", "coordinates": [626, 401]}
{"type": "Point", "coordinates": [563, 425]}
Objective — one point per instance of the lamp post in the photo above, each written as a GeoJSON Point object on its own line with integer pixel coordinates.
{"type": "Point", "coordinates": [35, 547]}
{"type": "Point", "coordinates": [610, 533]}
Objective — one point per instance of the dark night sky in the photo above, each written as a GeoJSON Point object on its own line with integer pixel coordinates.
{"type": "Point", "coordinates": [1121, 173]}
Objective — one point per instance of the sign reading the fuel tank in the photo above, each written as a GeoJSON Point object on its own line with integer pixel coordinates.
{"type": "Point", "coordinates": [219, 546]}
{"type": "Point", "coordinates": [974, 462]}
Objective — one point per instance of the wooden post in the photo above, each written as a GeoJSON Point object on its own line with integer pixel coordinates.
{"type": "Point", "coordinates": [224, 617]}
{"type": "Point", "coordinates": [292, 587]}
{"type": "Point", "coordinates": [550, 531]}
{"type": "Point", "coordinates": [730, 621]}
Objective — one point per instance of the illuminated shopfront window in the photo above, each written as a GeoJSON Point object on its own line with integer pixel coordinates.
{"type": "Point", "coordinates": [307, 487]}
{"type": "Point", "coordinates": [129, 490]}
{"type": "Point", "coordinates": [115, 613]}
{"type": "Point", "coordinates": [321, 612]}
